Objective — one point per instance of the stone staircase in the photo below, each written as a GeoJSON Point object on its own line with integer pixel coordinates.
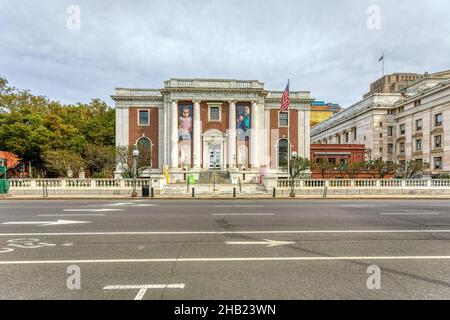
{"type": "Point", "coordinates": [218, 177]}
{"type": "Point", "coordinates": [210, 189]}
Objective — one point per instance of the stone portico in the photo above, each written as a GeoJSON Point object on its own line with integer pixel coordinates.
{"type": "Point", "coordinates": [195, 125]}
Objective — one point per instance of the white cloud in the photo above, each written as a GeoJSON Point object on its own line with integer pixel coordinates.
{"type": "Point", "coordinates": [322, 46]}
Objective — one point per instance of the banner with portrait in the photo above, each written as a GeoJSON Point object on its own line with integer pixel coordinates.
{"type": "Point", "coordinates": [243, 122]}
{"type": "Point", "coordinates": [185, 125]}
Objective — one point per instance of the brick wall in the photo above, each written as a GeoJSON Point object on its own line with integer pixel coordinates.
{"type": "Point", "coordinates": [150, 132]}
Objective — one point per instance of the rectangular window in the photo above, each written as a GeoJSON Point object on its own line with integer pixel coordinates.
{"type": "Point", "coordinates": [283, 119]}
{"type": "Point", "coordinates": [438, 142]}
{"type": "Point", "coordinates": [438, 119]}
{"type": "Point", "coordinates": [402, 129]}
{"type": "Point", "coordinates": [401, 147]}
{"type": "Point", "coordinates": [144, 118]}
{"type": "Point", "coordinates": [390, 131]}
{"type": "Point", "coordinates": [390, 147]}
{"type": "Point", "coordinates": [214, 114]}
{"type": "Point", "coordinates": [419, 125]}
{"type": "Point", "coordinates": [355, 134]}
{"type": "Point", "coordinates": [438, 163]}
{"type": "Point", "coordinates": [419, 145]}
{"type": "Point", "coordinates": [347, 137]}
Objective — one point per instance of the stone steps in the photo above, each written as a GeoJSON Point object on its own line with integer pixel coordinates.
{"type": "Point", "coordinates": [218, 189]}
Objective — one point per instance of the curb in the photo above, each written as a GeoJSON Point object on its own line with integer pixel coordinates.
{"type": "Point", "coordinates": [403, 197]}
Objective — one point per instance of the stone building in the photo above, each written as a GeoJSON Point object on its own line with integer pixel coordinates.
{"type": "Point", "coordinates": [393, 83]}
{"type": "Point", "coordinates": [199, 125]}
{"type": "Point", "coordinates": [411, 124]}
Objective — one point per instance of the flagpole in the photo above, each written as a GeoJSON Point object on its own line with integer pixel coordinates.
{"type": "Point", "coordinates": [289, 134]}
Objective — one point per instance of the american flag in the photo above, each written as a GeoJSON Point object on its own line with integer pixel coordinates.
{"type": "Point", "coordinates": [285, 100]}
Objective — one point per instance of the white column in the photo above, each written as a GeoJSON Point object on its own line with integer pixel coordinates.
{"type": "Point", "coordinates": [301, 133]}
{"type": "Point", "coordinates": [174, 135]}
{"type": "Point", "coordinates": [166, 127]}
{"type": "Point", "coordinates": [197, 136]}
{"type": "Point", "coordinates": [232, 135]}
{"type": "Point", "coordinates": [307, 137]}
{"type": "Point", "coordinates": [254, 144]}
{"type": "Point", "coordinates": [161, 144]}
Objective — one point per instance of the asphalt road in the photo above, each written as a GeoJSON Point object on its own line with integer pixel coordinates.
{"type": "Point", "coordinates": [264, 249]}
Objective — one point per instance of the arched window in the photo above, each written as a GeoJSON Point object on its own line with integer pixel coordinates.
{"type": "Point", "coordinates": [144, 146]}
{"type": "Point", "coordinates": [283, 153]}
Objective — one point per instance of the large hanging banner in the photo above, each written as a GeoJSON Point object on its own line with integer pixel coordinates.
{"type": "Point", "coordinates": [243, 123]}
{"type": "Point", "coordinates": [185, 112]}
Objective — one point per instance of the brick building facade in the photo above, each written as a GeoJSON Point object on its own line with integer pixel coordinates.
{"type": "Point", "coordinates": [195, 125]}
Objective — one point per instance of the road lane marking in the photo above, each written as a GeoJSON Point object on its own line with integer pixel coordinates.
{"type": "Point", "coordinates": [239, 206]}
{"type": "Point", "coordinates": [157, 233]}
{"type": "Point", "coordinates": [144, 205]}
{"type": "Point", "coordinates": [92, 210]}
{"type": "Point", "coordinates": [243, 214]}
{"type": "Point", "coordinates": [410, 213]}
{"type": "Point", "coordinates": [46, 223]}
{"type": "Point", "coordinates": [362, 205]}
{"type": "Point", "coordinates": [143, 288]}
{"type": "Point", "coordinates": [266, 242]}
{"type": "Point", "coordinates": [73, 215]}
{"type": "Point", "coordinates": [256, 259]}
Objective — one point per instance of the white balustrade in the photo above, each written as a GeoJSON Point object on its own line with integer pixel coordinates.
{"type": "Point", "coordinates": [118, 184]}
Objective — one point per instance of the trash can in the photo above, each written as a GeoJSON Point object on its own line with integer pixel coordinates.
{"type": "Point", "coordinates": [145, 191]}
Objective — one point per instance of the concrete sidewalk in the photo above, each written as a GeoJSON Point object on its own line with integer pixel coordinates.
{"type": "Point", "coordinates": [222, 197]}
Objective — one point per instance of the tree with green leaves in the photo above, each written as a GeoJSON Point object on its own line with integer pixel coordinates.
{"type": "Point", "coordinates": [324, 166]}
{"type": "Point", "coordinates": [100, 160]}
{"type": "Point", "coordinates": [380, 168]}
{"type": "Point", "coordinates": [353, 169]}
{"type": "Point", "coordinates": [33, 125]}
{"type": "Point", "coordinates": [297, 167]}
{"type": "Point", "coordinates": [412, 169]}
{"type": "Point", "coordinates": [124, 161]}
{"type": "Point", "coordinates": [62, 162]}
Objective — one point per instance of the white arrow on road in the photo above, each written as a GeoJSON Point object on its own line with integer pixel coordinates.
{"type": "Point", "coordinates": [267, 242]}
{"type": "Point", "coordinates": [47, 223]}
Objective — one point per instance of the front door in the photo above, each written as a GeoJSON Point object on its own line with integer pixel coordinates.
{"type": "Point", "coordinates": [215, 156]}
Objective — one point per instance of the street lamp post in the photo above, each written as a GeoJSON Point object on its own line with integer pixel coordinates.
{"type": "Point", "coordinates": [135, 157]}
{"type": "Point", "coordinates": [291, 173]}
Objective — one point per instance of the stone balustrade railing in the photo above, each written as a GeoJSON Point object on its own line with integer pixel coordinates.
{"type": "Point", "coordinates": [270, 182]}
{"type": "Point", "coordinates": [364, 183]}
{"type": "Point", "coordinates": [138, 92]}
{"type": "Point", "coordinates": [157, 182]}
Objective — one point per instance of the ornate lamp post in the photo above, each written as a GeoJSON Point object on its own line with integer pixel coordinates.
{"type": "Point", "coordinates": [135, 157]}
{"type": "Point", "coordinates": [291, 173]}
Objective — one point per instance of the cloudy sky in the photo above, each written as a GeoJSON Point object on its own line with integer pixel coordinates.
{"type": "Point", "coordinates": [330, 48]}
